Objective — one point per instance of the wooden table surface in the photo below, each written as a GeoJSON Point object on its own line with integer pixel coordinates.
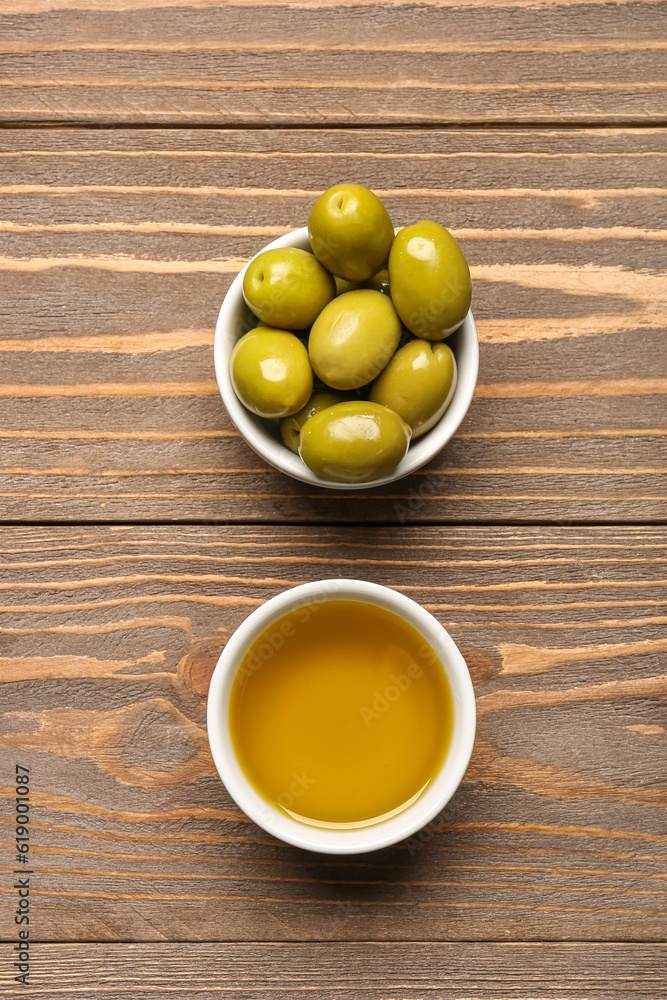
{"type": "Point", "coordinates": [148, 148]}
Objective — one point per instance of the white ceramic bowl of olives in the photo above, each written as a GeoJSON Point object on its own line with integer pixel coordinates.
{"type": "Point", "coordinates": [357, 383]}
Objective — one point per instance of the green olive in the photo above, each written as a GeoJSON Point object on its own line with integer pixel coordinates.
{"type": "Point", "coordinates": [418, 383]}
{"type": "Point", "coordinates": [350, 231]}
{"type": "Point", "coordinates": [379, 281]}
{"type": "Point", "coordinates": [287, 288]}
{"type": "Point", "coordinates": [290, 427]}
{"type": "Point", "coordinates": [430, 280]}
{"type": "Point", "coordinates": [270, 372]}
{"type": "Point", "coordinates": [354, 442]}
{"type": "Point", "coordinates": [353, 338]}
{"type": "Point", "coordinates": [343, 285]}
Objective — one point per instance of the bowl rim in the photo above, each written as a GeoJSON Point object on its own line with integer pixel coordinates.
{"type": "Point", "coordinates": [386, 832]}
{"type": "Point", "coordinates": [273, 451]}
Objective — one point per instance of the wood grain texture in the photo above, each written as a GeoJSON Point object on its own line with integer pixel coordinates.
{"type": "Point", "coordinates": [107, 642]}
{"type": "Point", "coordinates": [117, 249]}
{"type": "Point", "coordinates": [375, 971]}
{"type": "Point", "coordinates": [310, 62]}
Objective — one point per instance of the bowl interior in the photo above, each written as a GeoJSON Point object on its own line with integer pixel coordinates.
{"type": "Point", "coordinates": [359, 839]}
{"type": "Point", "coordinates": [263, 436]}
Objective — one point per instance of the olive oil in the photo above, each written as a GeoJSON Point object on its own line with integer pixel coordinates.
{"type": "Point", "coordinates": [340, 714]}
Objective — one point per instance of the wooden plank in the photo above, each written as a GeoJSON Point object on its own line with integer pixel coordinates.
{"type": "Point", "coordinates": [345, 61]}
{"type": "Point", "coordinates": [107, 642]}
{"type": "Point", "coordinates": [377, 971]}
{"type": "Point", "coordinates": [117, 249]}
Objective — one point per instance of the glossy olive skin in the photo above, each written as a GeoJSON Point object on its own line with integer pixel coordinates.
{"type": "Point", "coordinates": [350, 231]}
{"type": "Point", "coordinates": [353, 338]}
{"type": "Point", "coordinates": [287, 288]}
{"type": "Point", "coordinates": [430, 280]}
{"type": "Point", "coordinates": [418, 383]}
{"type": "Point", "coordinates": [354, 442]}
{"type": "Point", "coordinates": [321, 399]}
{"type": "Point", "coordinates": [270, 372]}
{"type": "Point", "coordinates": [379, 281]}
